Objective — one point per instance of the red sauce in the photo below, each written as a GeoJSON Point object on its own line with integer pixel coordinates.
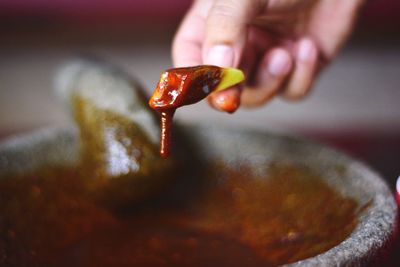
{"type": "Point", "coordinates": [234, 217]}
{"type": "Point", "coordinates": [166, 125]}
{"type": "Point", "coordinates": [179, 87]}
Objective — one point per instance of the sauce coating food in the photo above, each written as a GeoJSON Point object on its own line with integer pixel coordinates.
{"type": "Point", "coordinates": [185, 86]}
{"type": "Point", "coordinates": [223, 217]}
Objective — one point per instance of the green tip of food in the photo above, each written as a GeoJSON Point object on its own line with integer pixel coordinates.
{"type": "Point", "coordinates": [230, 77]}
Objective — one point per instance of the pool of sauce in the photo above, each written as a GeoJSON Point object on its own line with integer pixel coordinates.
{"type": "Point", "coordinates": [178, 87]}
{"type": "Point", "coordinates": [224, 217]}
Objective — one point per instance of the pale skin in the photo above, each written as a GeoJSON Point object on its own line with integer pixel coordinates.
{"type": "Point", "coordinates": [281, 45]}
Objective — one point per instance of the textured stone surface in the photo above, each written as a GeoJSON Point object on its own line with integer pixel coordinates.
{"type": "Point", "coordinates": [352, 178]}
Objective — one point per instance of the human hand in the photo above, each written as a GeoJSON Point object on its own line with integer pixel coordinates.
{"type": "Point", "coordinates": [280, 44]}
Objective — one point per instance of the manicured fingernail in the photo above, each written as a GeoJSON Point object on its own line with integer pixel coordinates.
{"type": "Point", "coordinates": [306, 50]}
{"type": "Point", "coordinates": [279, 63]}
{"type": "Point", "coordinates": [220, 55]}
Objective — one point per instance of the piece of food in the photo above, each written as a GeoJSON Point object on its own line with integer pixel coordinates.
{"type": "Point", "coordinates": [184, 86]}
{"type": "Point", "coordinates": [118, 131]}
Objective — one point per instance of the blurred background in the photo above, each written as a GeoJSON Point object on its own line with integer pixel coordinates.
{"type": "Point", "coordinates": [354, 106]}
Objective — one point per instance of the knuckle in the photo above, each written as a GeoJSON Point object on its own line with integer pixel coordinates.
{"type": "Point", "coordinates": [225, 8]}
{"type": "Point", "coordinates": [227, 12]}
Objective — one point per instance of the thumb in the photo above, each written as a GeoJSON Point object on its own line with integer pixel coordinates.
{"type": "Point", "coordinates": [226, 30]}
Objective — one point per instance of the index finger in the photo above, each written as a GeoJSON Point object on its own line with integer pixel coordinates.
{"type": "Point", "coordinates": [188, 41]}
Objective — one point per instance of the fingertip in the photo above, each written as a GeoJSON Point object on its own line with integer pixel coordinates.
{"type": "Point", "coordinates": [306, 51]}
{"type": "Point", "coordinates": [227, 27]}
{"type": "Point", "coordinates": [279, 63]}
{"type": "Point", "coordinates": [219, 55]}
{"type": "Point", "coordinates": [188, 40]}
{"type": "Point", "coordinates": [227, 100]}
{"type": "Point", "coordinates": [306, 56]}
{"type": "Point", "coordinates": [273, 71]}
{"type": "Point", "coordinates": [186, 52]}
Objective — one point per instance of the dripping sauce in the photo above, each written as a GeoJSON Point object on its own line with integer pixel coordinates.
{"type": "Point", "coordinates": [179, 87]}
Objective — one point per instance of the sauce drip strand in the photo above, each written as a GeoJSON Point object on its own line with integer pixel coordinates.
{"type": "Point", "coordinates": [184, 86]}
{"type": "Point", "coordinates": [166, 123]}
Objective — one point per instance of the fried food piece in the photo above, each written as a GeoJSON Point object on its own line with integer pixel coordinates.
{"type": "Point", "coordinates": [185, 86]}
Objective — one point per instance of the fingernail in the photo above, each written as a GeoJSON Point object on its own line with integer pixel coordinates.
{"type": "Point", "coordinates": [279, 63]}
{"type": "Point", "coordinates": [306, 50]}
{"type": "Point", "coordinates": [220, 55]}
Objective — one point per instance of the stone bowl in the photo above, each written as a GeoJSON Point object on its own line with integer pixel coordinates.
{"type": "Point", "coordinates": [366, 245]}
